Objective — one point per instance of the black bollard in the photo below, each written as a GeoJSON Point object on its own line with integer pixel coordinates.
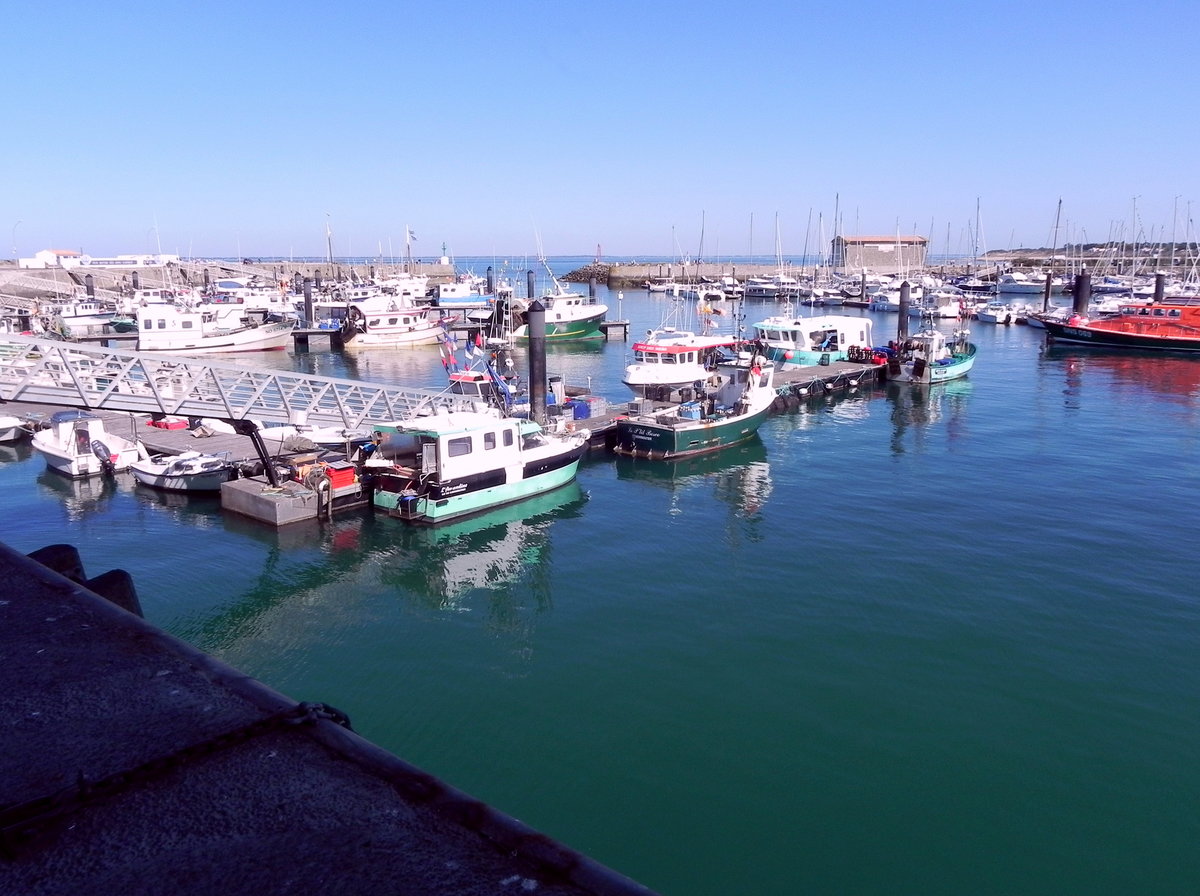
{"type": "Point", "coordinates": [905, 301]}
{"type": "Point", "coordinates": [1083, 292]}
{"type": "Point", "coordinates": [90, 285]}
{"type": "Point", "coordinates": [1160, 287]}
{"type": "Point", "coordinates": [529, 284]}
{"type": "Point", "coordinates": [536, 319]}
{"type": "Point", "coordinates": [1046, 293]}
{"type": "Point", "coordinates": [491, 281]}
{"type": "Point", "coordinates": [308, 302]}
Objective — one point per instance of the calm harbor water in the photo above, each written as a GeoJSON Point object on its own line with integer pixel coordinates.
{"type": "Point", "coordinates": [907, 641]}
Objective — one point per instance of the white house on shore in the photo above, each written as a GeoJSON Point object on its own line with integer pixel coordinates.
{"type": "Point", "coordinates": [68, 258]}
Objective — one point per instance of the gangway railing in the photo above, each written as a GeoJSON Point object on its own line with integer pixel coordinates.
{"type": "Point", "coordinates": [40, 370]}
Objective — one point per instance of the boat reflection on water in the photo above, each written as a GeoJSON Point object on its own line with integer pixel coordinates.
{"type": "Point", "coordinates": [81, 497]}
{"type": "Point", "coordinates": [1124, 373]}
{"type": "Point", "coordinates": [914, 406]}
{"type": "Point", "coordinates": [11, 452]}
{"type": "Point", "coordinates": [490, 552]}
{"type": "Point", "coordinates": [740, 475]}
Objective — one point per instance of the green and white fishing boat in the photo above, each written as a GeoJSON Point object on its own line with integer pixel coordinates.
{"type": "Point", "coordinates": [929, 356]}
{"type": "Point", "coordinates": [727, 409]}
{"type": "Point", "coordinates": [450, 465]}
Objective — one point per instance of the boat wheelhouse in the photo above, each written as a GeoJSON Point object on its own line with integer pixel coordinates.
{"type": "Point", "coordinates": [670, 359]}
{"type": "Point", "coordinates": [807, 341]}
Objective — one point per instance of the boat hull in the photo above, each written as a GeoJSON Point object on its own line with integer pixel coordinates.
{"type": "Point", "coordinates": [159, 476]}
{"type": "Point", "coordinates": [1101, 338]}
{"type": "Point", "coordinates": [564, 330]}
{"type": "Point", "coordinates": [267, 337]}
{"type": "Point", "coordinates": [640, 437]}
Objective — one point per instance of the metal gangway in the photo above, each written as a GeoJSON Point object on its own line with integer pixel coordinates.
{"type": "Point", "coordinates": [46, 371]}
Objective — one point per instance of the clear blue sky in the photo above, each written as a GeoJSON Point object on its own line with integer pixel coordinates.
{"type": "Point", "coordinates": [222, 128]}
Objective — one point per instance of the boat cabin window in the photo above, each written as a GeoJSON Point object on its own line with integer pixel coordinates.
{"type": "Point", "coordinates": [1158, 312]}
{"type": "Point", "coordinates": [489, 441]}
{"type": "Point", "coordinates": [1174, 312]}
{"type": "Point", "coordinates": [458, 447]}
{"type": "Point", "coordinates": [668, 359]}
{"type": "Point", "coordinates": [508, 438]}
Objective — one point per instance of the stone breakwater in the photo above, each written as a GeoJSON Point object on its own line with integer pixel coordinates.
{"type": "Point", "coordinates": [36, 283]}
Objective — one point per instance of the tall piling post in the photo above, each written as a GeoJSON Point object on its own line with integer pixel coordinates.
{"type": "Point", "coordinates": [308, 302]}
{"type": "Point", "coordinates": [491, 281]}
{"type": "Point", "coordinates": [90, 285]}
{"type": "Point", "coordinates": [536, 318]}
{"type": "Point", "coordinates": [1046, 292]}
{"type": "Point", "coordinates": [905, 302]}
{"type": "Point", "coordinates": [1160, 287]}
{"type": "Point", "coordinates": [1083, 292]}
{"type": "Point", "coordinates": [529, 284]}
{"type": "Point", "coordinates": [137, 284]}
{"type": "Point", "coordinates": [592, 287]}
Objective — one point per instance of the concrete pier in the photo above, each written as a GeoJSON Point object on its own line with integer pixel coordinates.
{"type": "Point", "coordinates": [135, 763]}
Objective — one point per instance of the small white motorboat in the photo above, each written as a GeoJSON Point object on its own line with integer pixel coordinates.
{"type": "Point", "coordinates": [191, 471]}
{"type": "Point", "coordinates": [76, 444]}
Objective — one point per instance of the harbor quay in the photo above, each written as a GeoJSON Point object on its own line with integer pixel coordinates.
{"type": "Point", "coordinates": [136, 763]}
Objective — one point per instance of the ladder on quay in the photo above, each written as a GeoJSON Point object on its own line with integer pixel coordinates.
{"type": "Point", "coordinates": [46, 371]}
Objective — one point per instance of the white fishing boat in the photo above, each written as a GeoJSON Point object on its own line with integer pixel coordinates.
{"type": "Point", "coordinates": [387, 321]}
{"type": "Point", "coordinates": [77, 445]}
{"type": "Point", "coordinates": [205, 327]}
{"type": "Point", "coordinates": [191, 471]}
{"type": "Point", "coordinates": [928, 356]}
{"type": "Point", "coordinates": [450, 465]}
{"type": "Point", "coordinates": [81, 313]}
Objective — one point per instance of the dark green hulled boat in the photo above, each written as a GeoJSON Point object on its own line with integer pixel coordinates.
{"type": "Point", "coordinates": [725, 413]}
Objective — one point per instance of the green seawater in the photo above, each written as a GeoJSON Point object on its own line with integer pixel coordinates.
{"type": "Point", "coordinates": [935, 641]}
